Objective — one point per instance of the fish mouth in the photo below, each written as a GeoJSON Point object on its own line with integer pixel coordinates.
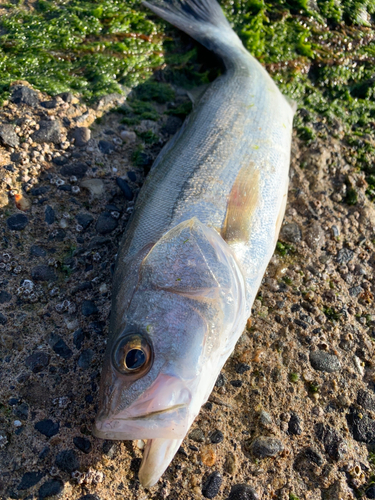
{"type": "Point", "coordinates": [154, 413]}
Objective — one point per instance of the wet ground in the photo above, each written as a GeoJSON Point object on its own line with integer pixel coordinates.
{"type": "Point", "coordinates": [292, 415]}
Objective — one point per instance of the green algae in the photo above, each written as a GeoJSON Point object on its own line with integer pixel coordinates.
{"type": "Point", "coordinates": [321, 53]}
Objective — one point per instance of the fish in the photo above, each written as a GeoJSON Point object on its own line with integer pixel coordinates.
{"type": "Point", "coordinates": [204, 227]}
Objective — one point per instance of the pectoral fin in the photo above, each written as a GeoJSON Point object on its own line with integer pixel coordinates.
{"type": "Point", "coordinates": [242, 203]}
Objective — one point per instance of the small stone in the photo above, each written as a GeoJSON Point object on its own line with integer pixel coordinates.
{"type": "Point", "coordinates": [265, 418]}
{"type": "Point", "coordinates": [264, 446]}
{"type": "Point", "coordinates": [294, 426]}
{"type": "Point", "coordinates": [8, 137]}
{"type": "Point", "coordinates": [43, 273]}
{"type": "Point", "coordinates": [106, 147]}
{"type": "Point", "coordinates": [24, 95]}
{"type": "Point", "coordinates": [109, 448]}
{"type": "Point", "coordinates": [66, 97]}
{"type": "Point", "coordinates": [236, 383]}
{"type": "Point", "coordinates": [3, 319]}
{"type": "Point", "coordinates": [361, 426]}
{"type": "Point", "coordinates": [82, 444]}
{"type": "Point", "coordinates": [106, 223]}
{"type": "Point", "coordinates": [370, 492]}
{"type": "Point", "coordinates": [36, 251]}
{"type": "Point", "coordinates": [197, 435]}
{"type": "Point", "coordinates": [57, 235]}
{"type": "Point", "coordinates": [230, 464]}
{"type": "Point", "coordinates": [355, 291]}
{"type": "Point", "coordinates": [49, 104]}
{"type": "Point", "coordinates": [220, 381]}
{"type": "Point", "coordinates": [128, 136]}
{"type": "Point", "coordinates": [17, 222]}
{"type": "Point", "coordinates": [242, 368]}
{"type": "Point", "coordinates": [242, 492]}
{"type": "Point", "coordinates": [62, 349]}
{"type": "Point", "coordinates": [124, 186]}
{"type": "Point", "coordinates": [345, 255]}
{"type": "Point", "coordinates": [21, 411]}
{"type": "Point", "coordinates": [366, 400]}
{"type": "Point", "coordinates": [290, 233]}
{"type": "Point", "coordinates": [30, 479]}
{"type": "Point", "coordinates": [334, 444]}
{"type": "Point", "coordinates": [313, 456]}
{"type": "Point", "coordinates": [84, 361]}
{"type": "Point", "coordinates": [50, 488]}
{"type": "Point", "coordinates": [211, 486]}
{"type": "Point", "coordinates": [47, 427]}
{"type": "Point", "coordinates": [49, 131]}
{"type": "Point", "coordinates": [84, 219]}
{"type": "Point", "coordinates": [324, 362]}
{"type": "Point", "coordinates": [37, 361]}
{"type": "Point", "coordinates": [77, 169]}
{"type": "Point", "coordinates": [5, 297]}
{"type": "Point", "coordinates": [60, 161]}
{"type": "Point", "coordinates": [216, 437]}
{"type": "Point", "coordinates": [82, 135]}
{"type": "Point", "coordinates": [67, 461]}
{"type": "Point", "coordinates": [78, 337]}
{"type": "Point", "coordinates": [131, 176]}
{"type": "Point", "coordinates": [94, 186]}
{"type": "Point", "coordinates": [89, 496]}
{"type": "Point", "coordinates": [88, 308]}
{"type": "Point", "coordinates": [315, 237]}
{"type": "Point", "coordinates": [49, 215]}
{"type": "Point", "coordinates": [39, 191]}
{"type": "Point", "coordinates": [172, 125]}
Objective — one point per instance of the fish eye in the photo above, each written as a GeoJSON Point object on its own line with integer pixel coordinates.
{"type": "Point", "coordinates": [132, 354]}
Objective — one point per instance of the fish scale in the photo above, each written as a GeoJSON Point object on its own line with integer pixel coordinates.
{"type": "Point", "coordinates": [203, 230]}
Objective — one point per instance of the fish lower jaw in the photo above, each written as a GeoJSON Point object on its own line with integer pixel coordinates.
{"type": "Point", "coordinates": [172, 423]}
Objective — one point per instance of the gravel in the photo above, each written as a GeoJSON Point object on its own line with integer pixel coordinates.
{"type": "Point", "coordinates": [49, 215]}
{"type": "Point", "coordinates": [242, 492]}
{"type": "Point", "coordinates": [106, 147]}
{"type": "Point", "coordinates": [47, 427]}
{"type": "Point", "coordinates": [76, 169]}
{"type": "Point", "coordinates": [324, 362]}
{"type": "Point", "coordinates": [50, 488]}
{"type": "Point", "coordinates": [30, 479]}
{"type": "Point", "coordinates": [211, 486]}
{"type": "Point", "coordinates": [264, 446]}
{"type": "Point", "coordinates": [43, 273]}
{"type": "Point", "coordinates": [83, 444]}
{"type": "Point", "coordinates": [17, 222]}
{"type": "Point", "coordinates": [49, 131]}
{"type": "Point", "coordinates": [24, 95]}
{"type": "Point", "coordinates": [106, 223]}
{"type": "Point", "coordinates": [125, 188]}
{"type": "Point", "coordinates": [81, 135]}
{"type": "Point", "coordinates": [8, 137]}
{"type": "Point", "coordinates": [67, 461]}
{"type": "Point", "coordinates": [290, 233]}
{"type": "Point", "coordinates": [37, 361]}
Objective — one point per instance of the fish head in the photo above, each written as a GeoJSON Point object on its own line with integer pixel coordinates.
{"type": "Point", "coordinates": [165, 352]}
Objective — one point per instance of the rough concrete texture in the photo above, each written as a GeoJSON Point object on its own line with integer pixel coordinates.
{"type": "Point", "coordinates": [293, 413]}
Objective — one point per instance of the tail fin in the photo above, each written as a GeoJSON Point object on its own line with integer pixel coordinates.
{"type": "Point", "coordinates": [203, 20]}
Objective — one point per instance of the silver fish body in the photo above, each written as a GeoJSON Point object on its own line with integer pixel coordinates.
{"type": "Point", "coordinates": [204, 228]}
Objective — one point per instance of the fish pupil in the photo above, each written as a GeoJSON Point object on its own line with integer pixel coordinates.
{"type": "Point", "coordinates": [135, 358]}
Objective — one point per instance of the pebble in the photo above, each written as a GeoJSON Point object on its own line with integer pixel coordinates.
{"type": "Point", "coordinates": [313, 456]}
{"type": "Point", "coordinates": [334, 445]}
{"type": "Point", "coordinates": [47, 427]}
{"type": "Point", "coordinates": [82, 444]}
{"type": "Point", "coordinates": [17, 423]}
{"type": "Point", "coordinates": [37, 361]}
{"type": "Point", "coordinates": [3, 319]}
{"type": "Point", "coordinates": [128, 136]}
{"type": "Point", "coordinates": [8, 137]}
{"type": "Point", "coordinates": [60, 161]}
{"type": "Point", "coordinates": [265, 418]}
{"type": "Point", "coordinates": [230, 464]}
{"type": "Point", "coordinates": [315, 237]}
{"type": "Point", "coordinates": [172, 125]}
{"type": "Point", "coordinates": [66, 97]}
{"type": "Point", "coordinates": [84, 219]}
{"type": "Point", "coordinates": [43, 273]}
{"type": "Point", "coordinates": [89, 496]}
{"type": "Point", "coordinates": [366, 400]}
{"type": "Point", "coordinates": [78, 337]}
{"type": "Point", "coordinates": [36, 251]}
{"type": "Point", "coordinates": [62, 350]}
{"type": "Point", "coordinates": [106, 147]}
{"type": "Point", "coordinates": [94, 186]}
{"type": "Point", "coordinates": [84, 361]}
{"type": "Point", "coordinates": [264, 446]}
{"type": "Point", "coordinates": [49, 131]}
{"type": "Point", "coordinates": [124, 186]}
{"type": "Point", "coordinates": [30, 479]}
{"type": "Point", "coordinates": [220, 381]}
{"type": "Point", "coordinates": [294, 425]}
{"type": "Point", "coordinates": [82, 135]}
{"type": "Point", "coordinates": [216, 437]}
{"type": "Point", "coordinates": [370, 492]}
{"type": "Point", "coordinates": [78, 169]}
{"type": "Point", "coordinates": [361, 426]}
{"type": "Point", "coordinates": [67, 461]}
{"type": "Point", "coordinates": [242, 492]}
{"type": "Point", "coordinates": [21, 411]}
{"type": "Point", "coordinates": [236, 383]}
{"type": "Point", "coordinates": [24, 95]}
{"type": "Point", "coordinates": [290, 233]}
{"type": "Point", "coordinates": [49, 104]}
{"type": "Point", "coordinates": [39, 191]}
{"type": "Point", "coordinates": [242, 368]}
{"type": "Point", "coordinates": [106, 223]}
{"type": "Point", "coordinates": [212, 484]}
{"type": "Point", "coordinates": [109, 448]}
{"type": "Point", "coordinates": [49, 215]}
{"type": "Point", "coordinates": [344, 256]}
{"type": "Point", "coordinates": [88, 308]}
{"type": "Point", "coordinates": [324, 362]}
{"type": "Point", "coordinates": [50, 488]}
{"type": "Point", "coordinates": [5, 297]}
{"type": "Point", "coordinates": [17, 222]}
{"type": "Point", "coordinates": [197, 435]}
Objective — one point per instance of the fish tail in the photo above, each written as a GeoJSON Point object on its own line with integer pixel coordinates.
{"type": "Point", "coordinates": [205, 22]}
